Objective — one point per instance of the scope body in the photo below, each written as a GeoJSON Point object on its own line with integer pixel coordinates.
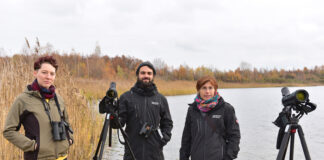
{"type": "Point", "coordinates": [295, 98]}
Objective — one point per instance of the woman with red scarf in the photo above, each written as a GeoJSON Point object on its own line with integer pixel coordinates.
{"type": "Point", "coordinates": [42, 113]}
{"type": "Point", "coordinates": [211, 129]}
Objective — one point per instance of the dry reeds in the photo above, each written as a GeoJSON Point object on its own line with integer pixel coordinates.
{"type": "Point", "coordinates": [15, 74]}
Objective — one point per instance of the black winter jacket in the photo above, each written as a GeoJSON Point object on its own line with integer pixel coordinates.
{"type": "Point", "coordinates": [214, 135]}
{"type": "Point", "coordinates": [137, 107]}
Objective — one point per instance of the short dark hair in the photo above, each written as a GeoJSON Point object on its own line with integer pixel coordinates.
{"type": "Point", "coordinates": [45, 59]}
{"type": "Point", "coordinates": [203, 80]}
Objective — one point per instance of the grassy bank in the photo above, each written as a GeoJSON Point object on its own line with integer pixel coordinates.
{"type": "Point", "coordinates": [15, 74]}
{"type": "Point", "coordinates": [95, 89]}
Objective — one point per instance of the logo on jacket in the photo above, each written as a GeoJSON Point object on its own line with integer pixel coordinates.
{"type": "Point", "coordinates": [217, 116]}
{"type": "Point", "coordinates": [155, 103]}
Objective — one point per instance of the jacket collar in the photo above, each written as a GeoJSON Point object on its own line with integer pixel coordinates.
{"type": "Point", "coordinates": [33, 93]}
{"type": "Point", "coordinates": [150, 91]}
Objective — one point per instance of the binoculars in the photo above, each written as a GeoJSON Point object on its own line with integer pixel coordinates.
{"type": "Point", "coordinates": [58, 130]}
{"type": "Point", "coordinates": [146, 130]}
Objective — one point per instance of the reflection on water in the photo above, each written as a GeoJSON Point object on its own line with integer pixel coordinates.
{"type": "Point", "coordinates": [256, 109]}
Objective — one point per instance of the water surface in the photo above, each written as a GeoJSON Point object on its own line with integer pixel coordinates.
{"type": "Point", "coordinates": [256, 109]}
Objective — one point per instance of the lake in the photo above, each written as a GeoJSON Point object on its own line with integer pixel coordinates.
{"type": "Point", "coordinates": [256, 109]}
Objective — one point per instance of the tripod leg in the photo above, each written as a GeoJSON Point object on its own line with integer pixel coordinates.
{"type": "Point", "coordinates": [100, 140]}
{"type": "Point", "coordinates": [292, 141]}
{"type": "Point", "coordinates": [284, 143]}
{"type": "Point", "coordinates": [110, 135]}
{"type": "Point", "coordinates": [303, 142]}
{"type": "Point", "coordinates": [104, 135]}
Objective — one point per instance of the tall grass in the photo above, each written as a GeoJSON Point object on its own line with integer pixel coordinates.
{"type": "Point", "coordinates": [15, 74]}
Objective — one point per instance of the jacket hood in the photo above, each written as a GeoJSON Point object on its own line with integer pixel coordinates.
{"type": "Point", "coordinates": [32, 93]}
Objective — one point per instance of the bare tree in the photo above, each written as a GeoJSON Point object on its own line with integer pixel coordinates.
{"type": "Point", "coordinates": [244, 66]}
{"type": "Point", "coordinates": [158, 63]}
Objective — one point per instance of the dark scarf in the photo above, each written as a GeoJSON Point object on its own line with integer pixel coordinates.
{"type": "Point", "coordinates": [46, 93]}
{"type": "Point", "coordinates": [207, 105]}
{"type": "Point", "coordinates": [144, 89]}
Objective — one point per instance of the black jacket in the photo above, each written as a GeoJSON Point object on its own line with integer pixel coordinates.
{"type": "Point", "coordinates": [137, 107]}
{"type": "Point", "coordinates": [214, 135]}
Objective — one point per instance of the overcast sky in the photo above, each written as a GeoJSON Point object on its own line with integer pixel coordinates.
{"type": "Point", "coordinates": [222, 33]}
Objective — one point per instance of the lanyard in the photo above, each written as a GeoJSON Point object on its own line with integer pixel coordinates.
{"type": "Point", "coordinates": [48, 112]}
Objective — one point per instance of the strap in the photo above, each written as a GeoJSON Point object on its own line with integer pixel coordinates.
{"type": "Point", "coordinates": [58, 107]}
{"type": "Point", "coordinates": [46, 110]}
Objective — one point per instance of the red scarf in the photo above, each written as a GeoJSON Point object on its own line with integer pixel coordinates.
{"type": "Point", "coordinates": [46, 93]}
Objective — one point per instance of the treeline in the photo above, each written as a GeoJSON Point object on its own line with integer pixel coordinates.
{"type": "Point", "coordinates": [123, 67]}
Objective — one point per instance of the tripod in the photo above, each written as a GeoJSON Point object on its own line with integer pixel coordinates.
{"type": "Point", "coordinates": [290, 131]}
{"type": "Point", "coordinates": [103, 136]}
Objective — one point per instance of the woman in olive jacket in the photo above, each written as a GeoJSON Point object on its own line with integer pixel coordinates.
{"type": "Point", "coordinates": [211, 129]}
{"type": "Point", "coordinates": [43, 114]}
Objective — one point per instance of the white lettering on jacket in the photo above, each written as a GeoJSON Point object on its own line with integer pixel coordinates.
{"type": "Point", "coordinates": [155, 103]}
{"type": "Point", "coordinates": [217, 116]}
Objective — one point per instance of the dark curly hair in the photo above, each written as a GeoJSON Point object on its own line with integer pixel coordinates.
{"type": "Point", "coordinates": [45, 59]}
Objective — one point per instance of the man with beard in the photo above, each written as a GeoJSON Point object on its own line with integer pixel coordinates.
{"type": "Point", "coordinates": [145, 111]}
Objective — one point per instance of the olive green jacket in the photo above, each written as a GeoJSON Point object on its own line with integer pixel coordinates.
{"type": "Point", "coordinates": [28, 110]}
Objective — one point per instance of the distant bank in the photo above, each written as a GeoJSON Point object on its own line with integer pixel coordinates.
{"type": "Point", "coordinates": [97, 88]}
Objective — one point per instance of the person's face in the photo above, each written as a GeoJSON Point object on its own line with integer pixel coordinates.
{"type": "Point", "coordinates": [207, 91]}
{"type": "Point", "coordinates": [45, 75]}
{"type": "Point", "coordinates": [145, 74]}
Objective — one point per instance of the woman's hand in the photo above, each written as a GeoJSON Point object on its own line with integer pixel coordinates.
{"type": "Point", "coordinates": [35, 146]}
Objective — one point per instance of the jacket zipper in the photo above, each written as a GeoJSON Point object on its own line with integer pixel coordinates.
{"type": "Point", "coordinates": [145, 105]}
{"type": "Point", "coordinates": [222, 151]}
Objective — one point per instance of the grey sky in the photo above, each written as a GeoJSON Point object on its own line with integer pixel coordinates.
{"type": "Point", "coordinates": [265, 33]}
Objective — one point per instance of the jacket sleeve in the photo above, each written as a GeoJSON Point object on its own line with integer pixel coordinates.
{"type": "Point", "coordinates": [232, 134]}
{"type": "Point", "coordinates": [166, 123]}
{"type": "Point", "coordinates": [186, 139]}
{"type": "Point", "coordinates": [12, 126]}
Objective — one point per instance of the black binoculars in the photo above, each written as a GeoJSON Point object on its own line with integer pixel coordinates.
{"type": "Point", "coordinates": [58, 130]}
{"type": "Point", "coordinates": [146, 130]}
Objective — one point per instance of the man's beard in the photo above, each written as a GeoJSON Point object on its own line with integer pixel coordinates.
{"type": "Point", "coordinates": [143, 84]}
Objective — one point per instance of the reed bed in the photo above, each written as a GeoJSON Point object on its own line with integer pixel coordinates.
{"type": "Point", "coordinates": [16, 74]}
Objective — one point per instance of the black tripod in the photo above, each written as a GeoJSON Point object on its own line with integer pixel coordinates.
{"type": "Point", "coordinates": [103, 136]}
{"type": "Point", "coordinates": [290, 131]}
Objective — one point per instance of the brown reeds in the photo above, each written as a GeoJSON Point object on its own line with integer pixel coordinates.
{"type": "Point", "coordinates": [15, 74]}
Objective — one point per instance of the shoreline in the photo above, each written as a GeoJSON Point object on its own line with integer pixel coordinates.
{"type": "Point", "coordinates": [94, 89]}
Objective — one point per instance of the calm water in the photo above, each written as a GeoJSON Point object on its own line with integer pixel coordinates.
{"type": "Point", "coordinates": [256, 109]}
